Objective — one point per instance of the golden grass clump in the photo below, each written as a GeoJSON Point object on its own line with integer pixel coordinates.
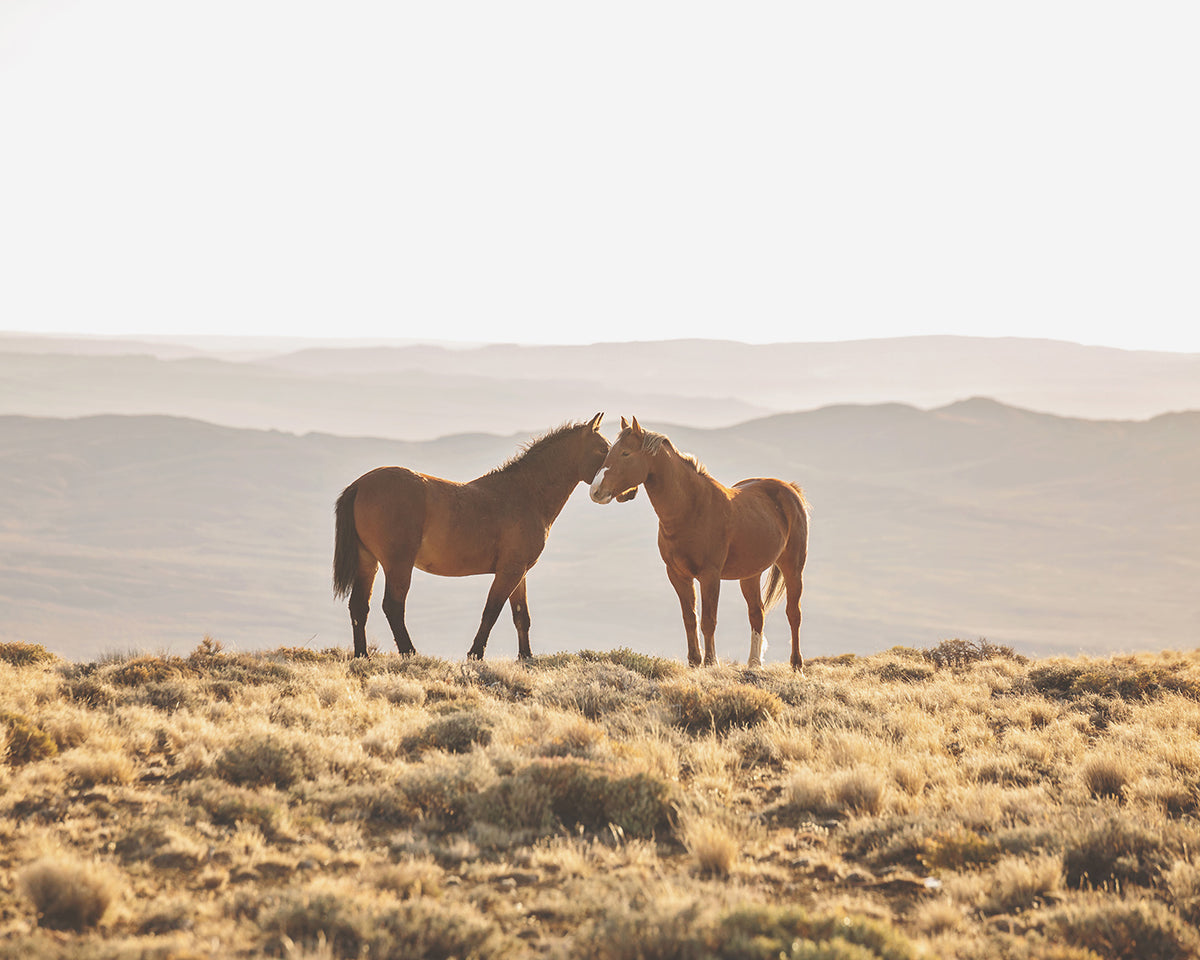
{"type": "Point", "coordinates": [68, 894]}
{"type": "Point", "coordinates": [960, 801]}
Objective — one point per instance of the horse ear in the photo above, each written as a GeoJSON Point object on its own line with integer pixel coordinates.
{"type": "Point", "coordinates": [594, 423]}
{"type": "Point", "coordinates": [624, 424]}
{"type": "Point", "coordinates": [637, 428]}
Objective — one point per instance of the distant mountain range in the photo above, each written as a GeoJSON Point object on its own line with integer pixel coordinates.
{"type": "Point", "coordinates": [423, 392]}
{"type": "Point", "coordinates": [976, 519]}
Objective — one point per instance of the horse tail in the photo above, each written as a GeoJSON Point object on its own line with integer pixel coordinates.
{"type": "Point", "coordinates": [345, 543]}
{"type": "Point", "coordinates": [776, 588]}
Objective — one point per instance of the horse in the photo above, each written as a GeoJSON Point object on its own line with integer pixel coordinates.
{"type": "Point", "coordinates": [398, 519]}
{"type": "Point", "coordinates": [708, 532]}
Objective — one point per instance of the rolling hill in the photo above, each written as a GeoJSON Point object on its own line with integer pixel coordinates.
{"type": "Point", "coordinates": [975, 519]}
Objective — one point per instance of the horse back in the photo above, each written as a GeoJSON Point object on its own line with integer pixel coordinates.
{"type": "Point", "coordinates": [779, 503]}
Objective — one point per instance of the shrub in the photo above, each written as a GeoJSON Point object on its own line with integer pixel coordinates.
{"type": "Point", "coordinates": [262, 760]}
{"type": "Point", "coordinates": [227, 805]}
{"type": "Point", "coordinates": [1018, 883]}
{"type": "Point", "coordinates": [351, 926]}
{"type": "Point", "coordinates": [958, 850]}
{"type": "Point", "coordinates": [1105, 775]}
{"type": "Point", "coordinates": [1118, 850]}
{"type": "Point", "coordinates": [697, 710]}
{"type": "Point", "coordinates": [861, 790]}
{"type": "Point", "coordinates": [1126, 680]}
{"type": "Point", "coordinates": [1125, 930]}
{"type": "Point", "coordinates": [767, 933]}
{"type": "Point", "coordinates": [713, 848]}
{"type": "Point", "coordinates": [143, 670]}
{"type": "Point", "coordinates": [26, 741]}
{"type": "Point", "coordinates": [652, 668]}
{"type": "Point", "coordinates": [67, 895]}
{"type": "Point", "coordinates": [21, 654]}
{"type": "Point", "coordinates": [964, 653]}
{"type": "Point", "coordinates": [548, 793]}
{"type": "Point", "coordinates": [456, 732]}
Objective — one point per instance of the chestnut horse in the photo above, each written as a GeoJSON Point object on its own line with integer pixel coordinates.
{"type": "Point", "coordinates": [709, 532]}
{"type": "Point", "coordinates": [497, 524]}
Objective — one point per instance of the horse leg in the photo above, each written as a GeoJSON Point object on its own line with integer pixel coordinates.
{"type": "Point", "coordinates": [395, 594]}
{"type": "Point", "coordinates": [686, 589]}
{"type": "Point", "coordinates": [754, 602]}
{"type": "Point", "coordinates": [795, 585]}
{"type": "Point", "coordinates": [520, 614]}
{"type": "Point", "coordinates": [503, 585]}
{"type": "Point", "coordinates": [360, 600]}
{"type": "Point", "coordinates": [710, 593]}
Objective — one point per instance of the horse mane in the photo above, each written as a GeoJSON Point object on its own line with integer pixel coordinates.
{"type": "Point", "coordinates": [652, 442]}
{"type": "Point", "coordinates": [533, 450]}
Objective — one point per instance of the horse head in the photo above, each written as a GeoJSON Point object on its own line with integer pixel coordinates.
{"type": "Point", "coordinates": [594, 449]}
{"type": "Point", "coordinates": [625, 468]}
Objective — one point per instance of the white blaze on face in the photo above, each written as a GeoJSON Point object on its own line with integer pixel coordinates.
{"type": "Point", "coordinates": [594, 490]}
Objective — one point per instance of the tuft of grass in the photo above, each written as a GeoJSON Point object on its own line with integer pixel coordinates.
{"type": "Point", "coordinates": [456, 732]}
{"type": "Point", "coordinates": [1120, 850]}
{"type": "Point", "coordinates": [1016, 884]}
{"type": "Point", "coordinates": [67, 894]}
{"type": "Point", "coordinates": [861, 790]}
{"type": "Point", "coordinates": [1124, 929]}
{"type": "Point", "coordinates": [711, 844]}
{"type": "Point", "coordinates": [1105, 775]}
{"type": "Point", "coordinates": [700, 710]}
{"type": "Point", "coordinates": [25, 741]}
{"type": "Point", "coordinates": [262, 760]}
{"type": "Point", "coordinates": [650, 667]}
{"type": "Point", "coordinates": [547, 794]}
{"type": "Point", "coordinates": [21, 654]}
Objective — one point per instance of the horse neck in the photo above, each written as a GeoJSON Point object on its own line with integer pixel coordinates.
{"type": "Point", "coordinates": [674, 487]}
{"type": "Point", "coordinates": [548, 477]}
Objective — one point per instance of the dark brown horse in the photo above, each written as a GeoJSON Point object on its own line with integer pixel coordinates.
{"type": "Point", "coordinates": [497, 524]}
{"type": "Point", "coordinates": [709, 532]}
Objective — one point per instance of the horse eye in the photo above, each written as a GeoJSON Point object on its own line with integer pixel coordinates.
{"type": "Point", "coordinates": [624, 453]}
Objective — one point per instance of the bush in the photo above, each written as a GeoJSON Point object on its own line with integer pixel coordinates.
{"type": "Point", "coordinates": [1118, 850]}
{"type": "Point", "coordinates": [652, 668]}
{"type": "Point", "coordinates": [26, 741]}
{"type": "Point", "coordinates": [24, 654]}
{"type": "Point", "coordinates": [699, 711]}
{"type": "Point", "coordinates": [1125, 680]}
{"type": "Point", "coordinates": [262, 760]}
{"type": "Point", "coordinates": [351, 927]}
{"type": "Point", "coordinates": [456, 732]}
{"type": "Point", "coordinates": [964, 653]}
{"type": "Point", "coordinates": [549, 793]}
{"type": "Point", "coordinates": [767, 933]}
{"type": "Point", "coordinates": [67, 895]}
{"type": "Point", "coordinates": [144, 670]}
{"type": "Point", "coordinates": [1125, 930]}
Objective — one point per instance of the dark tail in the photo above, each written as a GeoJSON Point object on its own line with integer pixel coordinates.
{"type": "Point", "coordinates": [345, 544]}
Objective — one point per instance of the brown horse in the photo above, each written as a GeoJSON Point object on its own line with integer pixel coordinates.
{"type": "Point", "coordinates": [497, 524]}
{"type": "Point", "coordinates": [709, 532]}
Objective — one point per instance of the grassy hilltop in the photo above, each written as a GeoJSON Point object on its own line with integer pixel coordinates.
{"type": "Point", "coordinates": [955, 802]}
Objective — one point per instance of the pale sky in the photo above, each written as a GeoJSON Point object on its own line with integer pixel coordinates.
{"type": "Point", "coordinates": [569, 172]}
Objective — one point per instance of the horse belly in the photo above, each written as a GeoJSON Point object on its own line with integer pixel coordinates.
{"type": "Point", "coordinates": [757, 537]}
{"type": "Point", "coordinates": [457, 540]}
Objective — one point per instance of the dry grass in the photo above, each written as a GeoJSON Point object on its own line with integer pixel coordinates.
{"type": "Point", "coordinates": [958, 802]}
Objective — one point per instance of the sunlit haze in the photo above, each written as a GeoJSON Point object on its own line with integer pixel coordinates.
{"type": "Point", "coordinates": [550, 172]}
